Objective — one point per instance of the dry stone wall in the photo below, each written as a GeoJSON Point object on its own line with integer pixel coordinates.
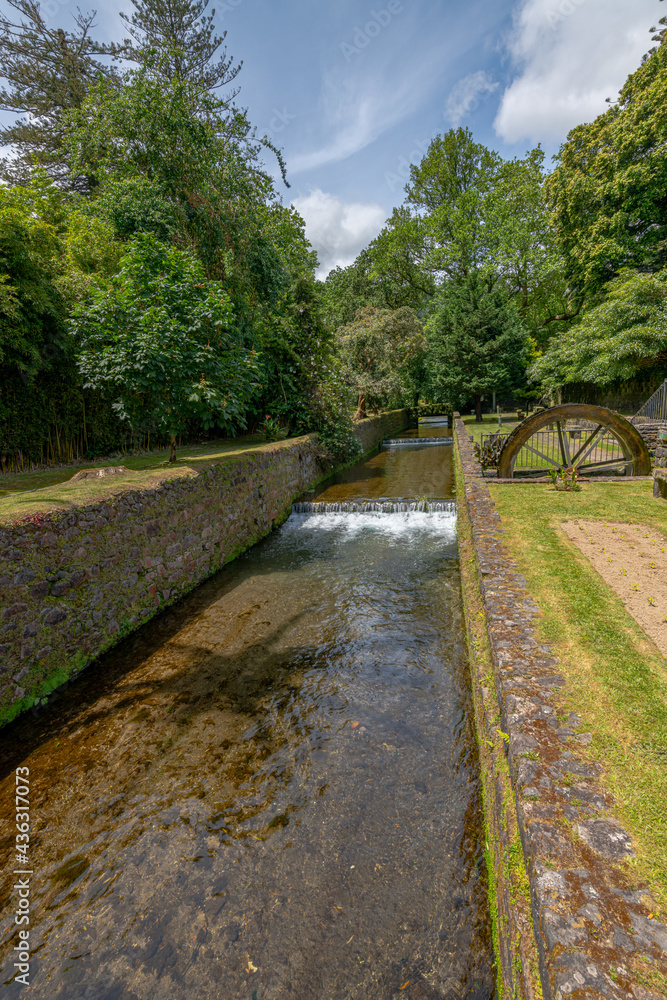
{"type": "Point", "coordinates": [72, 583]}
{"type": "Point", "coordinates": [653, 434]}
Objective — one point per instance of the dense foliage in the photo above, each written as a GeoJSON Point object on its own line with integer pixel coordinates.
{"type": "Point", "coordinates": [477, 343]}
{"type": "Point", "coordinates": [150, 168]}
{"type": "Point", "coordinates": [607, 192]}
{"type": "Point", "coordinates": [154, 285]}
{"type": "Point", "coordinates": [615, 340]}
{"type": "Point", "coordinates": [160, 336]}
{"type": "Point", "coordinates": [573, 260]}
{"type": "Point", "coordinates": [379, 351]}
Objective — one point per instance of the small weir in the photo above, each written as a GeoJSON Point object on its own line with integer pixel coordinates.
{"type": "Point", "coordinates": [272, 789]}
{"type": "Point", "coordinates": [376, 507]}
{"type": "Point", "coordinates": [396, 442]}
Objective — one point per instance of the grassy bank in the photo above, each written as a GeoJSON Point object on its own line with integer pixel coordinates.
{"type": "Point", "coordinates": [617, 679]}
{"type": "Point", "coordinates": [51, 489]}
{"type": "Point", "coordinates": [21, 481]}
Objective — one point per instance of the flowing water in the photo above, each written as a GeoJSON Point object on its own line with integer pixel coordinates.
{"type": "Point", "coordinates": [271, 790]}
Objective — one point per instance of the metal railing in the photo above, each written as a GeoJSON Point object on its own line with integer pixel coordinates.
{"type": "Point", "coordinates": [499, 434]}
{"type": "Point", "coordinates": [655, 408]}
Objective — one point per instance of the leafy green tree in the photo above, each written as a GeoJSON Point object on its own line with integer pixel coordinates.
{"type": "Point", "coordinates": [162, 337]}
{"type": "Point", "coordinates": [295, 346]}
{"type": "Point", "coordinates": [376, 353]}
{"type": "Point", "coordinates": [47, 72]}
{"type": "Point", "coordinates": [137, 204]}
{"type": "Point", "coordinates": [186, 165]}
{"type": "Point", "coordinates": [477, 343]}
{"type": "Point", "coordinates": [616, 340]}
{"type": "Point", "coordinates": [31, 309]}
{"type": "Point", "coordinates": [445, 196]}
{"type": "Point", "coordinates": [38, 376]}
{"type": "Point", "coordinates": [607, 193]}
{"type": "Point", "coordinates": [467, 211]}
{"type": "Point", "coordinates": [183, 36]}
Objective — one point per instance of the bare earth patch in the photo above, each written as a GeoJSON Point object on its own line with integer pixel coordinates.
{"type": "Point", "coordinates": [631, 558]}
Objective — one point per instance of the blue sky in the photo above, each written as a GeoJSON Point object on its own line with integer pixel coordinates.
{"type": "Point", "coordinates": [353, 90]}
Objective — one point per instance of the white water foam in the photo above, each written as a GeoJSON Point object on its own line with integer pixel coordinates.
{"type": "Point", "coordinates": [438, 524]}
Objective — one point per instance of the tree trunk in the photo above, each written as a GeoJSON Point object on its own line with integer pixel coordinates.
{"type": "Point", "coordinates": [172, 444]}
{"type": "Point", "coordinates": [361, 408]}
{"type": "Point", "coordinates": [478, 409]}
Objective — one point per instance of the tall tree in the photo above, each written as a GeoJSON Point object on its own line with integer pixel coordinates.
{"type": "Point", "coordinates": [618, 339]}
{"type": "Point", "coordinates": [477, 343]}
{"type": "Point", "coordinates": [447, 190]}
{"type": "Point", "coordinates": [607, 193]}
{"type": "Point", "coordinates": [183, 37]}
{"type": "Point", "coordinates": [161, 337]}
{"type": "Point", "coordinates": [467, 211]}
{"type": "Point", "coordinates": [376, 352]}
{"type": "Point", "coordinates": [179, 141]}
{"type": "Point", "coordinates": [47, 72]}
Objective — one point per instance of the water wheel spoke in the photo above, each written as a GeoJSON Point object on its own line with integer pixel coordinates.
{"type": "Point", "coordinates": [564, 445]}
{"type": "Point", "coordinates": [540, 454]}
{"type": "Point", "coordinates": [605, 435]}
{"type": "Point", "coordinates": [621, 460]}
{"type": "Point", "coordinates": [591, 441]}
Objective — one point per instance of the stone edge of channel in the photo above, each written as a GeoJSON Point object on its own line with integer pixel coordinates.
{"type": "Point", "coordinates": [590, 926]}
{"type": "Point", "coordinates": [74, 582]}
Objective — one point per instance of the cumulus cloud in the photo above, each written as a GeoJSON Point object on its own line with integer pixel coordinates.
{"type": "Point", "coordinates": [338, 230]}
{"type": "Point", "coordinates": [464, 96]}
{"type": "Point", "coordinates": [570, 55]}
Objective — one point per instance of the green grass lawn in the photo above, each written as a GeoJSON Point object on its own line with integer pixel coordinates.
{"type": "Point", "coordinates": [617, 678]}
{"type": "Point", "coordinates": [489, 424]}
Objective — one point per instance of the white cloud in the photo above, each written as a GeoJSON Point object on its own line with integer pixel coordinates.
{"type": "Point", "coordinates": [338, 230]}
{"type": "Point", "coordinates": [464, 96]}
{"type": "Point", "coordinates": [571, 55]}
{"type": "Point", "coordinates": [362, 99]}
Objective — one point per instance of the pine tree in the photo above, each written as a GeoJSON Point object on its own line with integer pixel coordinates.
{"type": "Point", "coordinates": [183, 37]}
{"type": "Point", "coordinates": [477, 343]}
{"type": "Point", "coordinates": [47, 72]}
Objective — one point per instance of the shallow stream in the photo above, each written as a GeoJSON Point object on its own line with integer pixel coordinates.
{"type": "Point", "coordinates": [271, 790]}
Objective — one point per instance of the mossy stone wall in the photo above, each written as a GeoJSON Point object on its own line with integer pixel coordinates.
{"type": "Point", "coordinates": [73, 583]}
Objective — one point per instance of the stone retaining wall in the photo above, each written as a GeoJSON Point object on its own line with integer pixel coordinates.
{"type": "Point", "coordinates": [73, 583]}
{"type": "Point", "coordinates": [589, 924]}
{"type": "Point", "coordinates": [651, 434]}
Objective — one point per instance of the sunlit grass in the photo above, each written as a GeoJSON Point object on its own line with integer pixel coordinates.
{"type": "Point", "coordinates": [617, 679]}
{"type": "Point", "coordinates": [34, 492]}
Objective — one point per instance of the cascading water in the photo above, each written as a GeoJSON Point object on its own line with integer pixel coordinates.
{"type": "Point", "coordinates": [402, 442]}
{"type": "Point", "coordinates": [376, 507]}
{"type": "Point", "coordinates": [272, 789]}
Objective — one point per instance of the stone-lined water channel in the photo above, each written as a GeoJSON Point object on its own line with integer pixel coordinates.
{"type": "Point", "coordinates": [271, 790]}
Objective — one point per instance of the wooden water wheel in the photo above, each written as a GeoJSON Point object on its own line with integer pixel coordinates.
{"type": "Point", "coordinates": [591, 439]}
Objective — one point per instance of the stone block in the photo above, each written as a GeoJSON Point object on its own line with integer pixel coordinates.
{"type": "Point", "coordinates": [660, 484]}
{"type": "Point", "coordinates": [14, 609]}
{"type": "Point", "coordinates": [54, 616]}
